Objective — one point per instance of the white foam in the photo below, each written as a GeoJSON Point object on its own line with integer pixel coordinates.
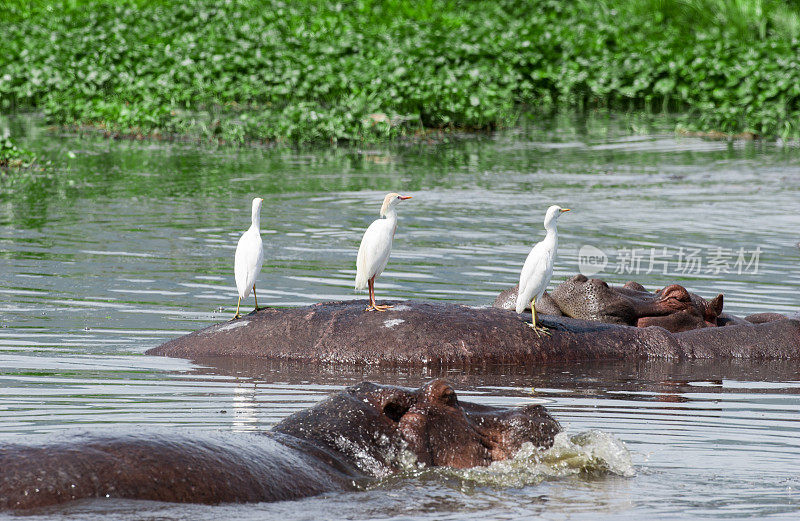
{"type": "Point", "coordinates": [589, 453]}
{"type": "Point", "coordinates": [592, 451]}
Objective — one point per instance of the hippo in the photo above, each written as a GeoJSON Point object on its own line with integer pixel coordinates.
{"type": "Point", "coordinates": [414, 333]}
{"type": "Point", "coordinates": [674, 308]}
{"type": "Point", "coordinates": [364, 432]}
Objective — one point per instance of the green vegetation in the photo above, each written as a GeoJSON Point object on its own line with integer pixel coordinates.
{"type": "Point", "coordinates": [12, 156]}
{"type": "Point", "coordinates": [240, 70]}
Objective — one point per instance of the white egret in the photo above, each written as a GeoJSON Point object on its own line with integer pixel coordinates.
{"type": "Point", "coordinates": [249, 257]}
{"type": "Point", "coordinates": [538, 268]}
{"type": "Point", "coordinates": [376, 245]}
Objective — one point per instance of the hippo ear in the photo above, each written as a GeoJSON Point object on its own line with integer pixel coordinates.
{"type": "Point", "coordinates": [634, 286]}
{"type": "Point", "coordinates": [716, 304]}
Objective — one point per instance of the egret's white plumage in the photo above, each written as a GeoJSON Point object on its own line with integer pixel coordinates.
{"type": "Point", "coordinates": [249, 256]}
{"type": "Point", "coordinates": [376, 246]}
{"type": "Point", "coordinates": [538, 267]}
{"type": "Point", "coordinates": [373, 254]}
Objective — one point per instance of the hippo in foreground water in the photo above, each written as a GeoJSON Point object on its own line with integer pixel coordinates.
{"type": "Point", "coordinates": [363, 432]}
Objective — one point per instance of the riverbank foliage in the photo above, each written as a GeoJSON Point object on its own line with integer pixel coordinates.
{"type": "Point", "coordinates": [11, 156]}
{"type": "Point", "coordinates": [240, 70]}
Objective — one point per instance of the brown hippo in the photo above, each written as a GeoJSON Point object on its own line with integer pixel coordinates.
{"type": "Point", "coordinates": [359, 433]}
{"type": "Point", "coordinates": [673, 307]}
{"type": "Point", "coordinates": [443, 334]}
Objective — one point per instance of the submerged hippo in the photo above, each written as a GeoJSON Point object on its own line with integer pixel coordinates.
{"type": "Point", "coordinates": [360, 433]}
{"type": "Point", "coordinates": [437, 333]}
{"type": "Point", "coordinates": [674, 308]}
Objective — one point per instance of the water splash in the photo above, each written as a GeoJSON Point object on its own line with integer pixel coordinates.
{"type": "Point", "coordinates": [379, 456]}
{"type": "Point", "coordinates": [592, 453]}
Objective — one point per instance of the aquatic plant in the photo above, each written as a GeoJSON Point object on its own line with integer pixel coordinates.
{"type": "Point", "coordinates": [11, 156]}
{"type": "Point", "coordinates": [243, 70]}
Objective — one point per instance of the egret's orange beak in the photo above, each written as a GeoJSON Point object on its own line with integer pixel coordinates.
{"type": "Point", "coordinates": [564, 210]}
{"type": "Point", "coordinates": [404, 197]}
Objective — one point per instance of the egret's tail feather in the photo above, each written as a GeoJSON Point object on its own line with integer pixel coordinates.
{"type": "Point", "coordinates": [361, 281]}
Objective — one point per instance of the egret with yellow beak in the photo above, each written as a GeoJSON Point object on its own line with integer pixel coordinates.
{"type": "Point", "coordinates": [538, 268]}
{"type": "Point", "coordinates": [376, 245]}
{"type": "Point", "coordinates": [249, 257]}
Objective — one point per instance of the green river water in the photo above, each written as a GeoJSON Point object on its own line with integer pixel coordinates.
{"type": "Point", "coordinates": [123, 245]}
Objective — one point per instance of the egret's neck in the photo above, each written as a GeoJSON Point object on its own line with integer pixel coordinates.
{"type": "Point", "coordinates": [391, 216]}
{"type": "Point", "coordinates": [552, 234]}
{"type": "Point", "coordinates": [256, 218]}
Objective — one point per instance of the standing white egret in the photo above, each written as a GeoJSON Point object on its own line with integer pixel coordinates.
{"type": "Point", "coordinates": [538, 268]}
{"type": "Point", "coordinates": [249, 257]}
{"type": "Point", "coordinates": [376, 245]}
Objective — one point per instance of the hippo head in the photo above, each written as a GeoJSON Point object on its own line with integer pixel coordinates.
{"type": "Point", "coordinates": [675, 309]}
{"type": "Point", "coordinates": [373, 426]}
{"type": "Point", "coordinates": [672, 308]}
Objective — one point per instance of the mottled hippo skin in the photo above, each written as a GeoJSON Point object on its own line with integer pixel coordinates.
{"type": "Point", "coordinates": [355, 434]}
{"type": "Point", "coordinates": [674, 308]}
{"type": "Point", "coordinates": [426, 333]}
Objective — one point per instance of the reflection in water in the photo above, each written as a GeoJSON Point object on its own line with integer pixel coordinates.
{"type": "Point", "coordinates": [245, 407]}
{"type": "Point", "coordinates": [126, 245]}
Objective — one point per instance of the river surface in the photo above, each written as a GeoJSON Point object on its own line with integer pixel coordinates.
{"type": "Point", "coordinates": [123, 245]}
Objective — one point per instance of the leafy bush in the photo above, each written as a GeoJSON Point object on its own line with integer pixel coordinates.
{"type": "Point", "coordinates": [240, 70]}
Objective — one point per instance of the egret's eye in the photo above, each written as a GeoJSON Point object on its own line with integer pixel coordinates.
{"type": "Point", "coordinates": [398, 197]}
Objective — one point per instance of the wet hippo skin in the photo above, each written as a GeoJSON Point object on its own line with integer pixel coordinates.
{"type": "Point", "coordinates": [355, 434]}
{"type": "Point", "coordinates": [426, 333]}
{"type": "Point", "coordinates": [674, 308]}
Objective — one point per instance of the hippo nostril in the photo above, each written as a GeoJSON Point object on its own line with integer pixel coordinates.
{"type": "Point", "coordinates": [676, 292]}
{"type": "Point", "coordinates": [394, 411]}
